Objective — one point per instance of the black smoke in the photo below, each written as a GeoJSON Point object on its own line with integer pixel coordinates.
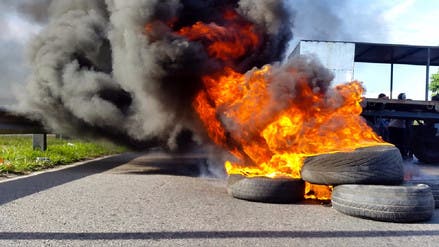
{"type": "Point", "coordinates": [95, 72]}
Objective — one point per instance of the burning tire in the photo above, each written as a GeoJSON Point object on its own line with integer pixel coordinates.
{"type": "Point", "coordinates": [410, 203]}
{"type": "Point", "coordinates": [370, 165]}
{"type": "Point", "coordinates": [432, 183]}
{"type": "Point", "coordinates": [263, 189]}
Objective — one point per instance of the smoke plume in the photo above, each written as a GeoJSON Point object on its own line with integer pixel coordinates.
{"type": "Point", "coordinates": [116, 68]}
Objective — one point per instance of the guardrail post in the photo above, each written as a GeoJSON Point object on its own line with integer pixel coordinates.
{"type": "Point", "coordinates": [39, 141]}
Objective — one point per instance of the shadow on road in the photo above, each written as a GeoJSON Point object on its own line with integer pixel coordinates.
{"type": "Point", "coordinates": [173, 168]}
{"type": "Point", "coordinates": [15, 189]}
{"type": "Point", "coordinates": [161, 163]}
{"type": "Point", "coordinates": [208, 235]}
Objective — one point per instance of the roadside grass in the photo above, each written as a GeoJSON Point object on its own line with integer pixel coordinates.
{"type": "Point", "coordinates": [18, 157]}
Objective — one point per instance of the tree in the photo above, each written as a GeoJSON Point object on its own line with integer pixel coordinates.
{"type": "Point", "coordinates": [434, 84]}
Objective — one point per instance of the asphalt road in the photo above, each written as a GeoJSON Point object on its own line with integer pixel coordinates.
{"type": "Point", "coordinates": [157, 200]}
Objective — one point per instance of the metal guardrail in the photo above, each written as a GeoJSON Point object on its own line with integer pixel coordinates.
{"type": "Point", "coordinates": [13, 123]}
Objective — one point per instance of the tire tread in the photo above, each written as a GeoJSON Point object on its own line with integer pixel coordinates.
{"type": "Point", "coordinates": [408, 203]}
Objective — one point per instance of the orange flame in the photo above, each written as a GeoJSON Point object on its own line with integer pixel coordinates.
{"type": "Point", "coordinates": [267, 135]}
{"type": "Point", "coordinates": [239, 113]}
{"type": "Point", "coordinates": [319, 192]}
{"type": "Point", "coordinates": [232, 40]}
{"type": "Point", "coordinates": [277, 142]}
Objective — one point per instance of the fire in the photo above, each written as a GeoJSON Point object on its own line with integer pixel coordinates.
{"type": "Point", "coordinates": [225, 42]}
{"type": "Point", "coordinates": [272, 118]}
{"type": "Point", "coordinates": [242, 115]}
{"type": "Point", "coordinates": [320, 192]}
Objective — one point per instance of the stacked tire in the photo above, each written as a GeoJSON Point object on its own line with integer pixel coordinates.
{"type": "Point", "coordinates": [369, 183]}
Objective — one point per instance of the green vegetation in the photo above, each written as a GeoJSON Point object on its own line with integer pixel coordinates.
{"type": "Point", "coordinates": [18, 157]}
{"type": "Point", "coordinates": [434, 83]}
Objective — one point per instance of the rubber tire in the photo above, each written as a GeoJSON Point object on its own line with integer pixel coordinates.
{"type": "Point", "coordinates": [432, 182]}
{"type": "Point", "coordinates": [412, 203]}
{"type": "Point", "coordinates": [426, 144]}
{"type": "Point", "coordinates": [264, 189]}
{"type": "Point", "coordinates": [370, 165]}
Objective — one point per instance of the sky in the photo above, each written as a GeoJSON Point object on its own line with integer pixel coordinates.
{"type": "Point", "coordinates": [16, 32]}
{"type": "Point", "coordinates": [410, 22]}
